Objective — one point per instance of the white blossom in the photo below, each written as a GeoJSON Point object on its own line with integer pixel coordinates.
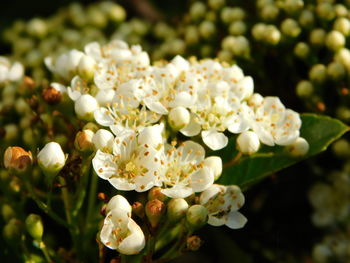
{"type": "Point", "coordinates": [248, 142]}
{"type": "Point", "coordinates": [51, 158]}
{"type": "Point", "coordinates": [10, 71]}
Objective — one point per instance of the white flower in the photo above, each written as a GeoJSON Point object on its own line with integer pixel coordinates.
{"type": "Point", "coordinates": [85, 107]}
{"type": "Point", "coordinates": [10, 72]}
{"type": "Point", "coordinates": [103, 140]}
{"type": "Point", "coordinates": [248, 142]}
{"type": "Point", "coordinates": [86, 67]}
{"type": "Point", "coordinates": [119, 230]}
{"type": "Point", "coordinates": [215, 164]}
{"type": "Point", "coordinates": [179, 118]}
{"type": "Point", "coordinates": [223, 203]}
{"type": "Point", "coordinates": [274, 124]}
{"type": "Point", "coordinates": [299, 147]}
{"type": "Point", "coordinates": [134, 164]}
{"type": "Point", "coordinates": [184, 171]}
{"type": "Point", "coordinates": [51, 158]}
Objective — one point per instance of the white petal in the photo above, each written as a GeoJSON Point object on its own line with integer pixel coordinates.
{"type": "Point", "coordinates": [119, 202]}
{"type": "Point", "coordinates": [104, 165]}
{"type": "Point", "coordinates": [155, 106]}
{"type": "Point", "coordinates": [106, 233]}
{"type": "Point", "coordinates": [214, 140]}
{"type": "Point", "coordinates": [217, 221]}
{"type": "Point", "coordinates": [103, 118]}
{"type": "Point", "coordinates": [121, 184]}
{"type": "Point", "coordinates": [236, 220]}
{"type": "Point", "coordinates": [16, 72]}
{"type": "Point", "coordinates": [191, 152]}
{"type": "Point", "coordinates": [202, 179]}
{"type": "Point", "coordinates": [152, 135]}
{"type": "Point", "coordinates": [192, 129]}
{"type": "Point", "coordinates": [134, 242]}
{"type": "Point", "coordinates": [209, 193]}
{"type": "Point", "coordinates": [177, 192]}
{"type": "Point", "coordinates": [183, 99]}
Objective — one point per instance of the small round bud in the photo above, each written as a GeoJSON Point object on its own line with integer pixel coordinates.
{"type": "Point", "coordinates": [237, 28]}
{"type": "Point", "coordinates": [197, 216]}
{"type": "Point", "coordinates": [207, 29]}
{"type": "Point", "coordinates": [269, 12]}
{"type": "Point", "coordinates": [241, 47]}
{"type": "Point", "coordinates": [335, 40]}
{"type": "Point", "coordinates": [35, 226]}
{"type": "Point", "coordinates": [318, 73]}
{"type": "Point", "coordinates": [11, 131]}
{"type": "Point", "coordinates": [191, 35]}
{"type": "Point", "coordinates": [155, 210]}
{"type": "Point", "coordinates": [156, 193]}
{"type": "Point", "coordinates": [325, 11]}
{"type": "Point", "coordinates": [225, 55]}
{"type": "Point", "coordinates": [255, 100]}
{"type": "Point", "coordinates": [341, 148]}
{"type": "Point", "coordinates": [51, 158]}
{"type": "Point", "coordinates": [215, 164]}
{"type": "Point", "coordinates": [103, 140]}
{"type": "Point", "coordinates": [317, 37]}
{"type": "Point", "coordinates": [293, 6]}
{"type": "Point", "coordinates": [37, 27]}
{"type": "Point", "coordinates": [194, 243]}
{"type": "Point", "coordinates": [298, 148]}
{"type": "Point", "coordinates": [83, 140]}
{"type": "Point", "coordinates": [336, 70]}
{"type": "Point", "coordinates": [306, 18]}
{"type": "Point", "coordinates": [216, 4]}
{"type": "Point", "coordinates": [85, 107]}
{"type": "Point", "coordinates": [86, 67]}
{"type": "Point", "coordinates": [91, 126]}
{"type": "Point", "coordinates": [340, 10]}
{"type": "Point", "coordinates": [304, 89]}
{"type": "Point", "coordinates": [248, 142]}
{"type": "Point", "coordinates": [342, 25]}
{"type": "Point", "coordinates": [302, 50]}
{"type": "Point", "coordinates": [116, 13]}
{"type": "Point", "coordinates": [179, 118]}
{"type": "Point", "coordinates": [12, 231]}
{"type": "Point", "coordinates": [343, 56]}
{"type": "Point", "coordinates": [272, 35]}
{"type": "Point", "coordinates": [197, 10]}
{"type": "Point", "coordinates": [258, 31]}
{"type": "Point", "coordinates": [290, 27]}
{"type": "Point", "coordinates": [343, 113]}
{"type": "Point", "coordinates": [17, 158]}
{"type": "Point", "coordinates": [177, 209]}
{"type": "Point", "coordinates": [51, 96]}
{"type": "Point", "coordinates": [7, 212]}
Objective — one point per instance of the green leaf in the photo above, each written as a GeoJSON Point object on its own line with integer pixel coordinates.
{"type": "Point", "coordinates": [319, 131]}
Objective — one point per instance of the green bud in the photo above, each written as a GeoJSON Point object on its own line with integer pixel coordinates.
{"type": "Point", "coordinates": [216, 4]}
{"type": "Point", "coordinates": [342, 25]}
{"type": "Point", "coordinates": [207, 29]}
{"type": "Point", "coordinates": [241, 47]}
{"type": "Point", "coordinates": [237, 28]}
{"type": "Point", "coordinates": [96, 18]}
{"type": "Point", "coordinates": [317, 37]}
{"type": "Point", "coordinates": [191, 35]}
{"type": "Point", "coordinates": [197, 216]}
{"type": "Point", "coordinates": [238, 14]}
{"type": "Point", "coordinates": [7, 212]}
{"type": "Point", "coordinates": [336, 70]}
{"type": "Point", "coordinates": [302, 50]}
{"type": "Point", "coordinates": [177, 209]}
{"type": "Point", "coordinates": [269, 12]}
{"type": "Point", "coordinates": [116, 13]}
{"type": "Point", "coordinates": [340, 10]}
{"type": "Point", "coordinates": [262, 3]}
{"type": "Point", "coordinates": [91, 126]}
{"type": "Point", "coordinates": [335, 40]}
{"type": "Point", "coordinates": [226, 15]}
{"type": "Point", "coordinates": [37, 28]}
{"type": "Point", "coordinates": [272, 35]}
{"type": "Point", "coordinates": [258, 31]}
{"type": "Point", "coordinates": [341, 148]}
{"type": "Point", "coordinates": [155, 210]}
{"type": "Point", "coordinates": [304, 89]}
{"type": "Point", "coordinates": [35, 226]}
{"type": "Point", "coordinates": [293, 6]}
{"type": "Point", "coordinates": [290, 27]}
{"type": "Point", "coordinates": [343, 113]}
{"type": "Point", "coordinates": [197, 10]}
{"type": "Point", "coordinates": [12, 231]}
{"type": "Point", "coordinates": [325, 11]}
{"type": "Point", "coordinates": [318, 73]}
{"type": "Point", "coordinates": [225, 55]}
{"type": "Point", "coordinates": [156, 193]}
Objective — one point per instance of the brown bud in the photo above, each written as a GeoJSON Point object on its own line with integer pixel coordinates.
{"type": "Point", "coordinates": [28, 81]}
{"type": "Point", "coordinates": [83, 141]}
{"type": "Point", "coordinates": [155, 193]}
{"type": "Point", "coordinates": [102, 197]}
{"type": "Point", "coordinates": [138, 209]}
{"type": "Point", "coordinates": [17, 158]}
{"type": "Point", "coordinates": [194, 243]}
{"type": "Point", "coordinates": [52, 96]}
{"type": "Point", "coordinates": [155, 209]}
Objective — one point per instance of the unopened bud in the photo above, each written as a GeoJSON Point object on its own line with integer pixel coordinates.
{"type": "Point", "coordinates": [86, 67]}
{"type": "Point", "coordinates": [179, 118]}
{"type": "Point", "coordinates": [207, 29]}
{"type": "Point", "coordinates": [306, 18]}
{"type": "Point", "coordinates": [317, 37]}
{"type": "Point", "coordinates": [298, 148]}
{"type": "Point", "coordinates": [117, 13]}
{"type": "Point", "coordinates": [336, 70]}
{"type": "Point", "coordinates": [51, 158]}
{"type": "Point", "coordinates": [11, 131]}
{"type": "Point", "coordinates": [241, 47]}
{"type": "Point", "coordinates": [335, 40]}
{"type": "Point", "coordinates": [197, 216]}
{"type": "Point", "coordinates": [318, 73]}
{"type": "Point", "coordinates": [103, 140]}
{"type": "Point", "coordinates": [255, 100]}
{"type": "Point", "coordinates": [272, 35]}
{"type": "Point", "coordinates": [258, 31]}
{"type": "Point", "coordinates": [35, 226]}
{"type": "Point", "coordinates": [342, 25]}
{"type": "Point", "coordinates": [37, 27]}
{"type": "Point", "coordinates": [214, 163]}
{"type": "Point", "coordinates": [91, 126]}
{"type": "Point", "coordinates": [248, 142]}
{"type": "Point", "coordinates": [340, 10]}
{"type": "Point", "coordinates": [237, 28]}
{"type": "Point", "coordinates": [341, 148]}
{"type": "Point", "coordinates": [138, 209]}
{"type": "Point", "coordinates": [7, 212]}
{"type": "Point", "coordinates": [83, 140]}
{"type": "Point", "coordinates": [304, 89]}
{"type": "Point", "coordinates": [216, 4]}
{"type": "Point", "coordinates": [85, 107]}
{"type": "Point", "coordinates": [197, 10]}
{"type": "Point", "coordinates": [177, 209]}
{"type": "Point", "coordinates": [155, 209]}
{"type": "Point", "coordinates": [156, 193]}
{"type": "Point", "coordinates": [193, 243]}
{"type": "Point", "coordinates": [302, 50]}
{"type": "Point", "coordinates": [290, 28]}
{"type": "Point", "coordinates": [51, 96]}
{"type": "Point", "coordinates": [102, 197]}
{"type": "Point", "coordinates": [12, 231]}
{"type": "Point", "coordinates": [293, 6]}
{"type": "Point", "coordinates": [269, 12]}
{"type": "Point", "coordinates": [325, 11]}
{"type": "Point", "coordinates": [17, 158]}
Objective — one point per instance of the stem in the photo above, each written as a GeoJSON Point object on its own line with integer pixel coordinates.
{"type": "Point", "coordinates": [45, 251]}
{"type": "Point", "coordinates": [92, 199]}
{"type": "Point", "coordinates": [66, 201]}
{"type": "Point", "coordinates": [233, 161]}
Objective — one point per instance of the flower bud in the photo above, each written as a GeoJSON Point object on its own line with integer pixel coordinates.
{"type": "Point", "coordinates": [83, 140]}
{"type": "Point", "coordinates": [35, 226]}
{"type": "Point", "coordinates": [37, 28]}
{"type": "Point", "coordinates": [197, 216]}
{"type": "Point", "coordinates": [343, 56]}
{"type": "Point", "coordinates": [341, 148]}
{"type": "Point", "coordinates": [138, 209]}
{"type": "Point", "coordinates": [340, 10]}
{"type": "Point", "coordinates": [304, 89]}
{"type": "Point", "coordinates": [342, 25]}
{"type": "Point", "coordinates": [12, 231]}
{"type": "Point", "coordinates": [318, 73]}
{"type": "Point", "coordinates": [177, 209]}
{"type": "Point", "coordinates": [269, 12]}
{"type": "Point", "coordinates": [86, 67]}
{"type": "Point", "coordinates": [293, 6]}
{"type": "Point", "coordinates": [241, 47]}
{"type": "Point", "coordinates": [336, 70]}
{"type": "Point", "coordinates": [51, 158]}
{"type": "Point", "coordinates": [290, 28]}
{"type": "Point", "coordinates": [298, 148]}
{"type": "Point", "coordinates": [272, 35]}
{"type": "Point", "coordinates": [155, 209]}
{"type": "Point", "coordinates": [215, 164]}
{"type": "Point", "coordinates": [248, 142]}
{"type": "Point", "coordinates": [325, 11]}
{"type": "Point", "coordinates": [317, 37]}
{"type": "Point", "coordinates": [103, 140]}
{"type": "Point", "coordinates": [258, 31]}
{"type": "Point", "coordinates": [255, 100]}
{"type": "Point", "coordinates": [302, 50]}
{"type": "Point", "coordinates": [116, 13]}
{"type": "Point", "coordinates": [156, 193]}
{"type": "Point", "coordinates": [306, 18]}
{"type": "Point", "coordinates": [335, 40]}
{"type": "Point", "coordinates": [17, 158]}
{"type": "Point", "coordinates": [197, 10]}
{"type": "Point", "coordinates": [179, 118]}
{"type": "Point", "coordinates": [237, 28]}
{"type": "Point", "coordinates": [216, 4]}
{"type": "Point", "coordinates": [207, 29]}
{"type": "Point", "coordinates": [91, 126]}
{"type": "Point", "coordinates": [51, 96]}
{"type": "Point", "coordinates": [11, 132]}
{"type": "Point", "coordinates": [85, 107]}
{"type": "Point", "coordinates": [7, 212]}
{"type": "Point", "coordinates": [193, 243]}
